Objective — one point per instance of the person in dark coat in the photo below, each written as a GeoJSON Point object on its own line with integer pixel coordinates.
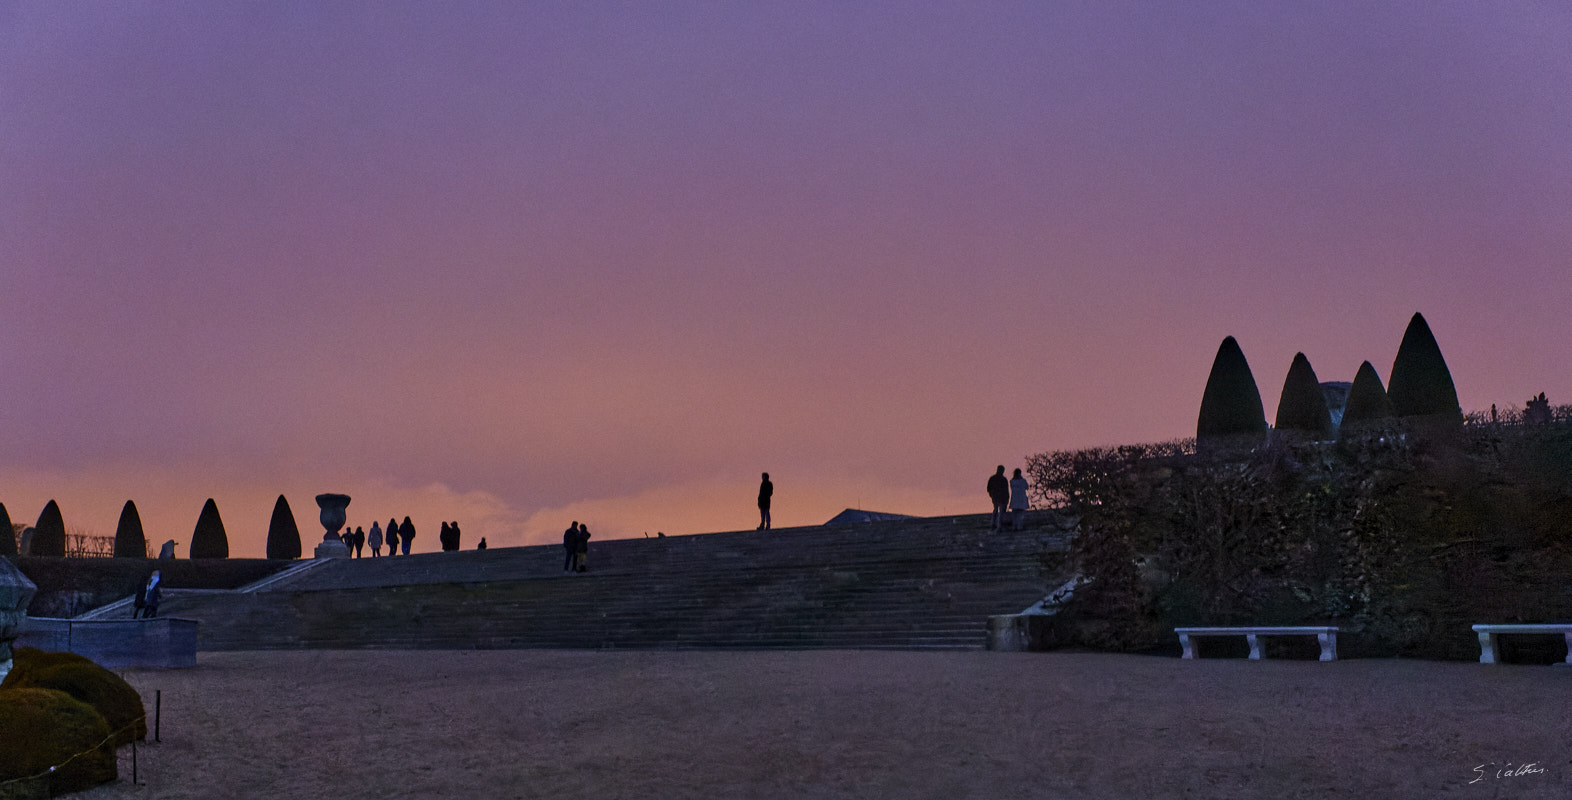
{"type": "Point", "coordinates": [150, 594]}
{"type": "Point", "coordinates": [766, 491]}
{"type": "Point", "coordinates": [482, 545]}
{"type": "Point", "coordinates": [374, 539]}
{"type": "Point", "coordinates": [392, 537]}
{"type": "Point", "coordinates": [581, 550]}
{"type": "Point", "coordinates": [445, 537]}
{"type": "Point", "coordinates": [359, 540]}
{"type": "Point", "coordinates": [453, 528]}
{"type": "Point", "coordinates": [406, 534]}
{"type": "Point", "coordinates": [570, 545]}
{"type": "Point", "coordinates": [999, 493]}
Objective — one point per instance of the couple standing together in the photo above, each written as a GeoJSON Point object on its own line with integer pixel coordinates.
{"type": "Point", "coordinates": [575, 541]}
{"type": "Point", "coordinates": [1007, 495]}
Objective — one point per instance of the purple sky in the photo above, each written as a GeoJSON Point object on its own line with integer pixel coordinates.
{"type": "Point", "coordinates": [521, 263]}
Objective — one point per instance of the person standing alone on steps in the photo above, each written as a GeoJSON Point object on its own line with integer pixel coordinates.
{"type": "Point", "coordinates": [766, 491]}
{"type": "Point", "coordinates": [999, 493]}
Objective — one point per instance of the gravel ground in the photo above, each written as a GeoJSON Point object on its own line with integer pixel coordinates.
{"type": "Point", "coordinates": [844, 724]}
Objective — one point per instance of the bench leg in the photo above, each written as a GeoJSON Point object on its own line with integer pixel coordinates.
{"type": "Point", "coordinates": [1255, 646]}
{"type": "Point", "coordinates": [1188, 644]}
{"type": "Point", "coordinates": [1568, 636]}
{"type": "Point", "coordinates": [1328, 646]}
{"type": "Point", "coordinates": [1487, 648]}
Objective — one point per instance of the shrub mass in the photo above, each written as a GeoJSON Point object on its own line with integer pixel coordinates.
{"type": "Point", "coordinates": [49, 533]}
{"type": "Point", "coordinates": [1302, 405]}
{"type": "Point", "coordinates": [283, 536]}
{"type": "Point", "coordinates": [1367, 400]}
{"type": "Point", "coordinates": [1420, 384]}
{"type": "Point", "coordinates": [43, 728]}
{"type": "Point", "coordinates": [115, 700]}
{"type": "Point", "coordinates": [129, 540]}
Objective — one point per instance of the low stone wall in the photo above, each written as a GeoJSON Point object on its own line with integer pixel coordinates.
{"type": "Point", "coordinates": [168, 642]}
{"type": "Point", "coordinates": [70, 586]}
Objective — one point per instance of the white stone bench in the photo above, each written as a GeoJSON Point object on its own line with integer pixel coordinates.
{"type": "Point", "coordinates": [1488, 634]}
{"type": "Point", "coordinates": [1327, 636]}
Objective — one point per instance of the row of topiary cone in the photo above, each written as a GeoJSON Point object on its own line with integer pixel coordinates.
{"type": "Point", "coordinates": [208, 540]}
{"type": "Point", "coordinates": [1421, 386]}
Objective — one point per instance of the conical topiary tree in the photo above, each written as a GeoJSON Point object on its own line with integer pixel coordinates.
{"type": "Point", "coordinates": [49, 533]}
{"type": "Point", "coordinates": [129, 541]}
{"type": "Point", "coordinates": [1231, 404]}
{"type": "Point", "coordinates": [1421, 385]}
{"type": "Point", "coordinates": [283, 536]}
{"type": "Point", "coordinates": [1302, 405]}
{"type": "Point", "coordinates": [1367, 400]}
{"type": "Point", "coordinates": [209, 539]}
{"type": "Point", "coordinates": [7, 534]}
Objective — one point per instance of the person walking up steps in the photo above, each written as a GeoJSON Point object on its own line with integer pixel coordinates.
{"type": "Point", "coordinates": [999, 494]}
{"type": "Point", "coordinates": [1018, 501]}
{"type": "Point", "coordinates": [766, 491]}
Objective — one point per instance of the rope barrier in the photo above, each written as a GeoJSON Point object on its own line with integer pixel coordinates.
{"type": "Point", "coordinates": [107, 739]}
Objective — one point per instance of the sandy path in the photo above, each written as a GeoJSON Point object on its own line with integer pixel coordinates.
{"type": "Point", "coordinates": [569, 724]}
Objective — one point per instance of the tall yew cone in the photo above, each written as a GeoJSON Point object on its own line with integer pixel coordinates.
{"type": "Point", "coordinates": [283, 536]}
{"type": "Point", "coordinates": [1421, 385]}
{"type": "Point", "coordinates": [49, 533]}
{"type": "Point", "coordinates": [209, 539]}
{"type": "Point", "coordinates": [1302, 405]}
{"type": "Point", "coordinates": [7, 534]}
{"type": "Point", "coordinates": [1231, 404]}
{"type": "Point", "coordinates": [129, 541]}
{"type": "Point", "coordinates": [1367, 400]}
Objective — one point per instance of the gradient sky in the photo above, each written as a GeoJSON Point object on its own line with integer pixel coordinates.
{"type": "Point", "coordinates": [521, 263]}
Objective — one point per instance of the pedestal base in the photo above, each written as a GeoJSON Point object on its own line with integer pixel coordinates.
{"type": "Point", "coordinates": [332, 548]}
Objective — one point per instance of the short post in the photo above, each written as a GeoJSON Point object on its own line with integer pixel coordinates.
{"type": "Point", "coordinates": [1328, 645]}
{"type": "Point", "coordinates": [1487, 647]}
{"type": "Point", "coordinates": [1255, 646]}
{"type": "Point", "coordinates": [158, 712]}
{"type": "Point", "coordinates": [133, 762]}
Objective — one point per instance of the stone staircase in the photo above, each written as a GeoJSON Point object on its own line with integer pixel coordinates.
{"type": "Point", "coordinates": [911, 584]}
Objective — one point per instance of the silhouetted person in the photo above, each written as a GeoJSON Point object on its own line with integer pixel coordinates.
{"type": "Point", "coordinates": [581, 550]}
{"type": "Point", "coordinates": [392, 537]}
{"type": "Point", "coordinates": [445, 537]}
{"type": "Point", "coordinates": [375, 539]}
{"type": "Point", "coordinates": [406, 534]}
{"type": "Point", "coordinates": [999, 493]}
{"type": "Point", "coordinates": [570, 545]}
{"type": "Point", "coordinates": [766, 491]}
{"type": "Point", "coordinates": [482, 545]}
{"type": "Point", "coordinates": [457, 542]}
{"type": "Point", "coordinates": [150, 594]}
{"type": "Point", "coordinates": [1018, 500]}
{"type": "Point", "coordinates": [358, 540]}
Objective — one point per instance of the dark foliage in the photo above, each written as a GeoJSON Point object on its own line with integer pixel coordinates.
{"type": "Point", "coordinates": [129, 540]}
{"type": "Point", "coordinates": [49, 533]}
{"type": "Point", "coordinates": [283, 536]}
{"type": "Point", "coordinates": [1367, 400]}
{"type": "Point", "coordinates": [1403, 536]}
{"type": "Point", "coordinates": [1420, 384]}
{"type": "Point", "coordinates": [1231, 405]}
{"type": "Point", "coordinates": [7, 536]}
{"type": "Point", "coordinates": [108, 694]}
{"type": "Point", "coordinates": [1302, 406]}
{"type": "Point", "coordinates": [42, 728]}
{"type": "Point", "coordinates": [209, 539]}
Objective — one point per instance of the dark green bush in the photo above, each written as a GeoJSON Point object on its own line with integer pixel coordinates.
{"type": "Point", "coordinates": [209, 539]}
{"type": "Point", "coordinates": [42, 728]}
{"type": "Point", "coordinates": [1231, 405]}
{"type": "Point", "coordinates": [1302, 405]}
{"type": "Point", "coordinates": [1367, 400]}
{"type": "Point", "coordinates": [1420, 384]}
{"type": "Point", "coordinates": [283, 536]}
{"type": "Point", "coordinates": [129, 540]}
{"type": "Point", "coordinates": [49, 533]}
{"type": "Point", "coordinates": [113, 698]}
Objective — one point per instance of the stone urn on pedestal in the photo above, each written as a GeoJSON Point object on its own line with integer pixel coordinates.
{"type": "Point", "coordinates": [16, 591]}
{"type": "Point", "coordinates": [333, 517]}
